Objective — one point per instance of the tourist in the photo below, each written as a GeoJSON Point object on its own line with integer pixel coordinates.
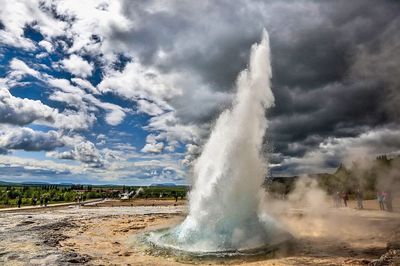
{"type": "Point", "coordinates": [34, 201]}
{"type": "Point", "coordinates": [380, 198]}
{"type": "Point", "coordinates": [336, 199]}
{"type": "Point", "coordinates": [19, 202]}
{"type": "Point", "coordinates": [345, 198]}
{"type": "Point", "coordinates": [41, 200]}
{"type": "Point", "coordinates": [388, 200]}
{"type": "Point", "coordinates": [359, 198]}
{"type": "Point", "coordinates": [46, 201]}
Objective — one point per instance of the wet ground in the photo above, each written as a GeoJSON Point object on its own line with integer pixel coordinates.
{"type": "Point", "coordinates": [40, 237]}
{"type": "Point", "coordinates": [107, 234]}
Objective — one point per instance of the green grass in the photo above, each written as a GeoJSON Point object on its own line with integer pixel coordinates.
{"type": "Point", "coordinates": [9, 194]}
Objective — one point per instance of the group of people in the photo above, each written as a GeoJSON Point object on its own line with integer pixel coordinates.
{"type": "Point", "coordinates": [385, 200]}
{"type": "Point", "coordinates": [338, 197]}
{"type": "Point", "coordinates": [43, 201]}
{"type": "Point", "coordinates": [80, 198]}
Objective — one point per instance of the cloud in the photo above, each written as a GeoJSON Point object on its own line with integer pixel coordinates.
{"type": "Point", "coordinates": [85, 152]}
{"type": "Point", "coordinates": [30, 140]}
{"type": "Point", "coordinates": [77, 66]}
{"type": "Point", "coordinates": [19, 69]}
{"type": "Point", "coordinates": [77, 98]}
{"type": "Point", "coordinates": [7, 161]}
{"type": "Point", "coordinates": [149, 108]}
{"type": "Point", "coordinates": [46, 45]}
{"type": "Point", "coordinates": [152, 145]}
{"type": "Point", "coordinates": [335, 68]}
{"type": "Point", "coordinates": [115, 113]}
{"type": "Point", "coordinates": [73, 120]}
{"type": "Point", "coordinates": [17, 15]}
{"type": "Point", "coordinates": [19, 111]}
{"type": "Point", "coordinates": [192, 153]}
{"type": "Point", "coordinates": [136, 82]}
{"type": "Point", "coordinates": [330, 152]}
{"type": "Point", "coordinates": [115, 117]}
{"type": "Point", "coordinates": [168, 128]}
{"type": "Point", "coordinates": [84, 84]}
{"type": "Point", "coordinates": [379, 61]}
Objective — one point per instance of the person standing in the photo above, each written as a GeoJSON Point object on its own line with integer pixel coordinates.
{"type": "Point", "coordinates": [338, 200]}
{"type": "Point", "coordinates": [19, 202]}
{"type": "Point", "coordinates": [380, 198]}
{"type": "Point", "coordinates": [345, 198]}
{"type": "Point", "coordinates": [359, 197]}
{"type": "Point", "coordinates": [388, 200]}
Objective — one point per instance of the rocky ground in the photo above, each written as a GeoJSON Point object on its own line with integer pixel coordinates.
{"type": "Point", "coordinates": [42, 237]}
{"type": "Point", "coordinates": [107, 234]}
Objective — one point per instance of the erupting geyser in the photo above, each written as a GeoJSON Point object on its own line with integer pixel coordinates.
{"type": "Point", "coordinates": [224, 204]}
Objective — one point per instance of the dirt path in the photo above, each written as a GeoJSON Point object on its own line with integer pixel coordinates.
{"type": "Point", "coordinates": [55, 205]}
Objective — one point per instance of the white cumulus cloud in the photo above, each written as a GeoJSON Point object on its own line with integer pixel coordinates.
{"type": "Point", "coordinates": [78, 66]}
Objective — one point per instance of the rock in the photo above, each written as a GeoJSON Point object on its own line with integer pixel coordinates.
{"type": "Point", "coordinates": [395, 245]}
{"type": "Point", "coordinates": [13, 257]}
{"type": "Point", "coordinates": [53, 240]}
{"type": "Point", "coordinates": [137, 227]}
{"type": "Point", "coordinates": [392, 257]}
{"type": "Point", "coordinates": [25, 223]}
{"type": "Point", "coordinates": [74, 258]}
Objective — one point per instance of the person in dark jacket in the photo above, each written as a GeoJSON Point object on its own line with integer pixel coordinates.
{"type": "Point", "coordinates": [345, 198]}
{"type": "Point", "coordinates": [19, 202]}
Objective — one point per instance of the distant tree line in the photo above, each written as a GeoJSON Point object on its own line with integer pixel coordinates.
{"type": "Point", "coordinates": [10, 194]}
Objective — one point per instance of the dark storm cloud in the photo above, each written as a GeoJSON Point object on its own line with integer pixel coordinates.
{"type": "Point", "coordinates": [340, 110]}
{"type": "Point", "coordinates": [335, 64]}
{"type": "Point", "coordinates": [213, 38]}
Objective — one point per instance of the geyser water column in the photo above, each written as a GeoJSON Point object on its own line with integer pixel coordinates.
{"type": "Point", "coordinates": [224, 202]}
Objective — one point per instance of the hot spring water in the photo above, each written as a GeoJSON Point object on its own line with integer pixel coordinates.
{"type": "Point", "coordinates": [224, 204]}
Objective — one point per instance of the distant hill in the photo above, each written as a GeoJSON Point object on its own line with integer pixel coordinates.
{"type": "Point", "coordinates": [5, 183]}
{"type": "Point", "coordinates": [34, 183]}
{"type": "Point", "coordinates": [163, 185]}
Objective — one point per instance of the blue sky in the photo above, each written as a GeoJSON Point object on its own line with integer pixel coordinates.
{"type": "Point", "coordinates": [126, 92]}
{"type": "Point", "coordinates": [97, 136]}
